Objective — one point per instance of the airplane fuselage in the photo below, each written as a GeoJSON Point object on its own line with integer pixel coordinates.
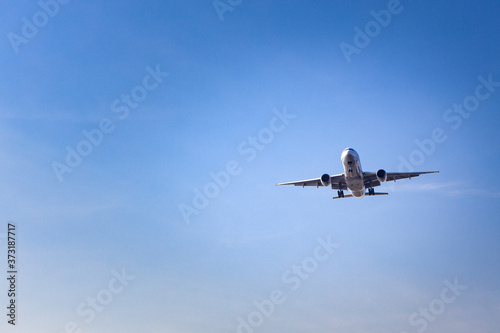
{"type": "Point", "coordinates": [353, 172]}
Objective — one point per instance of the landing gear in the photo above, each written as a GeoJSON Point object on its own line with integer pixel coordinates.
{"type": "Point", "coordinates": [340, 193]}
{"type": "Point", "coordinates": [371, 191]}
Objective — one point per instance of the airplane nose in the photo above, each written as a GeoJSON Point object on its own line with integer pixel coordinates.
{"type": "Point", "coordinates": [347, 153]}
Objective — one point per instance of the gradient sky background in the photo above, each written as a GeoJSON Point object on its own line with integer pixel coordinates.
{"type": "Point", "coordinates": [119, 209]}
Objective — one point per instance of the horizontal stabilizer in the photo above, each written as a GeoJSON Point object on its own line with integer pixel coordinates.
{"type": "Point", "coordinates": [345, 196]}
{"type": "Point", "coordinates": [366, 195]}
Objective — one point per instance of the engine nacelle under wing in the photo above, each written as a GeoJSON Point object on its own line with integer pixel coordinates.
{"type": "Point", "coordinates": [381, 175]}
{"type": "Point", "coordinates": [325, 179]}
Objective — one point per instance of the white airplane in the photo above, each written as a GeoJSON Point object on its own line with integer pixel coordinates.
{"type": "Point", "coordinates": [354, 178]}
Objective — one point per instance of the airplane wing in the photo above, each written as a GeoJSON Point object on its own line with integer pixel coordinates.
{"type": "Point", "coordinates": [337, 182]}
{"type": "Point", "coordinates": [370, 178]}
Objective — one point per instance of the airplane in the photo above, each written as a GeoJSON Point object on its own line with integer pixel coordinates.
{"type": "Point", "coordinates": [354, 179]}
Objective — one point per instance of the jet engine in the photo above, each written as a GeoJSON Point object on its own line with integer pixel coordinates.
{"type": "Point", "coordinates": [325, 179]}
{"type": "Point", "coordinates": [381, 175]}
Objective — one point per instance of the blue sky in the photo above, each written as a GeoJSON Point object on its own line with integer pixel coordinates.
{"type": "Point", "coordinates": [261, 96]}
